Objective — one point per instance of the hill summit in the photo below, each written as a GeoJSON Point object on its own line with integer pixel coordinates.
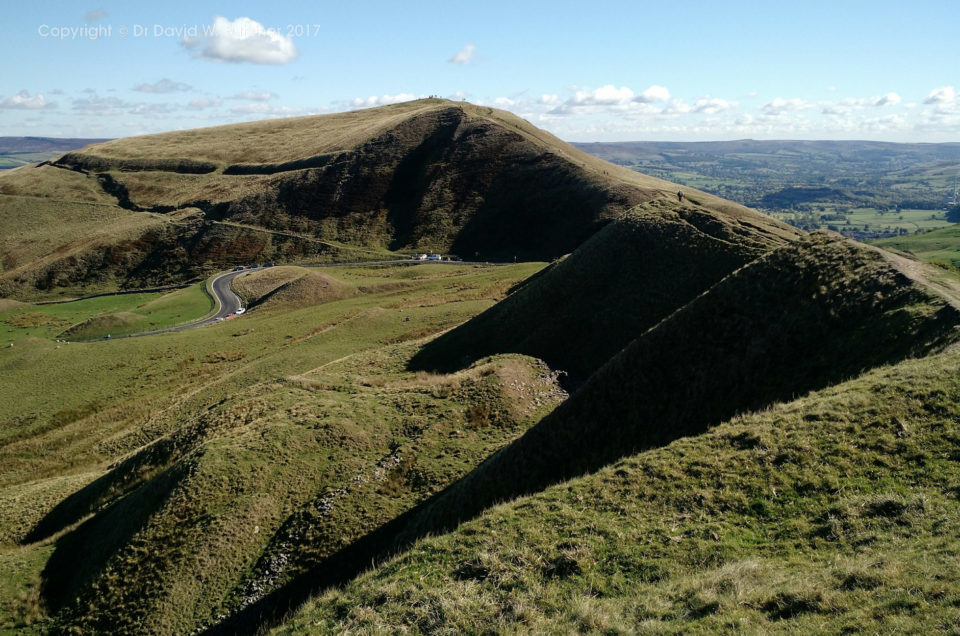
{"type": "Point", "coordinates": [427, 175]}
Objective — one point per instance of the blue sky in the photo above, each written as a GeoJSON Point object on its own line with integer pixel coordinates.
{"type": "Point", "coordinates": [608, 71]}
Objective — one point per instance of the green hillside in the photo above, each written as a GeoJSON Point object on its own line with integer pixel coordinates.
{"type": "Point", "coordinates": [699, 419]}
{"type": "Point", "coordinates": [833, 513]}
{"type": "Point", "coordinates": [810, 314]}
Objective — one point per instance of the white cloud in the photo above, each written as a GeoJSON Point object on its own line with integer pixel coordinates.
{"type": "Point", "coordinates": [549, 99]}
{"type": "Point", "coordinates": [381, 100]}
{"type": "Point", "coordinates": [242, 40]}
{"type": "Point", "coordinates": [503, 102]}
{"type": "Point", "coordinates": [780, 105]}
{"type": "Point", "coordinates": [943, 95]}
{"type": "Point", "coordinates": [464, 55]}
{"type": "Point", "coordinates": [254, 96]}
{"type": "Point", "coordinates": [607, 95]}
{"type": "Point", "coordinates": [676, 107]}
{"type": "Point", "coordinates": [607, 98]}
{"type": "Point", "coordinates": [850, 104]}
{"type": "Point", "coordinates": [151, 110]}
{"type": "Point", "coordinates": [653, 94]}
{"type": "Point", "coordinates": [259, 108]}
{"type": "Point", "coordinates": [25, 101]}
{"type": "Point", "coordinates": [713, 105]}
{"type": "Point", "coordinates": [890, 99]}
{"type": "Point", "coordinates": [163, 86]}
{"type": "Point", "coordinates": [203, 102]}
{"type": "Point", "coordinates": [95, 16]}
{"type": "Point", "coordinates": [100, 106]}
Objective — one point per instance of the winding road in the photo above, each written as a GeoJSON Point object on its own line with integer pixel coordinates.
{"type": "Point", "coordinates": [228, 302]}
{"type": "Point", "coordinates": [223, 295]}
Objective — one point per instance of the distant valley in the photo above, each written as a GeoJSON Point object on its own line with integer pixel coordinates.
{"type": "Point", "coordinates": [20, 151]}
{"type": "Point", "coordinates": [862, 189]}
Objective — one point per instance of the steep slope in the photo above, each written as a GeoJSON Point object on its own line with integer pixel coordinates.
{"type": "Point", "coordinates": [808, 315]}
{"type": "Point", "coordinates": [621, 282]}
{"type": "Point", "coordinates": [834, 513]}
{"type": "Point", "coordinates": [425, 175]}
{"type": "Point", "coordinates": [811, 314]}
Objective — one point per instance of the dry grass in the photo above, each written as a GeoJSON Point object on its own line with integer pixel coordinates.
{"type": "Point", "coordinates": [40, 231]}
{"type": "Point", "coordinates": [268, 141]}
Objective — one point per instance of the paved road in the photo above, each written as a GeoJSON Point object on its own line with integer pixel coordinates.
{"type": "Point", "coordinates": [228, 302]}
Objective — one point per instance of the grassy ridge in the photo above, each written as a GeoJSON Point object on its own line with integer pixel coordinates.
{"type": "Point", "coordinates": [215, 471]}
{"type": "Point", "coordinates": [812, 313]}
{"type": "Point", "coordinates": [621, 282]}
{"type": "Point", "coordinates": [835, 512]}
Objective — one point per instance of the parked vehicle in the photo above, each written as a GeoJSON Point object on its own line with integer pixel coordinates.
{"type": "Point", "coordinates": [241, 310]}
{"type": "Point", "coordinates": [239, 268]}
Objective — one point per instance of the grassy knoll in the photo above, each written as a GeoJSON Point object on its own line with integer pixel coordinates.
{"type": "Point", "coordinates": [244, 452]}
{"type": "Point", "coordinates": [93, 318]}
{"type": "Point", "coordinates": [941, 245]}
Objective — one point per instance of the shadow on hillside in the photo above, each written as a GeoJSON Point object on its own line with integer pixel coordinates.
{"type": "Point", "coordinates": [82, 554]}
{"type": "Point", "coordinates": [806, 317]}
{"type": "Point", "coordinates": [119, 481]}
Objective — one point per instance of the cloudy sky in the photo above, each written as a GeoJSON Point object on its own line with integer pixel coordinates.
{"type": "Point", "coordinates": [587, 71]}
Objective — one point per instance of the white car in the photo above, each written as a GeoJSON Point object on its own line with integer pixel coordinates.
{"type": "Point", "coordinates": [240, 311]}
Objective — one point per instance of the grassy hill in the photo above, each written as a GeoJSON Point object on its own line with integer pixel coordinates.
{"type": "Point", "coordinates": [699, 420]}
{"type": "Point", "coordinates": [620, 283]}
{"type": "Point", "coordinates": [158, 495]}
{"type": "Point", "coordinates": [428, 175]}
{"type": "Point", "coordinates": [807, 315]}
{"type": "Point", "coordinates": [215, 478]}
{"type": "Point", "coordinates": [836, 512]}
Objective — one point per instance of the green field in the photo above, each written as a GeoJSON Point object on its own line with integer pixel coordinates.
{"type": "Point", "coordinates": [867, 220]}
{"type": "Point", "coordinates": [117, 315]}
{"type": "Point", "coordinates": [941, 245]}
